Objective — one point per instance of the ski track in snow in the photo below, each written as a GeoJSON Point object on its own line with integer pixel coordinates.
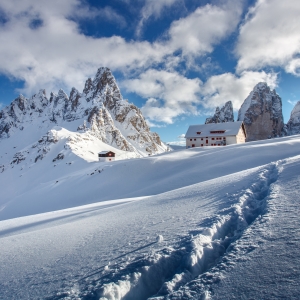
{"type": "Point", "coordinates": [176, 244]}
{"type": "Point", "coordinates": [184, 270]}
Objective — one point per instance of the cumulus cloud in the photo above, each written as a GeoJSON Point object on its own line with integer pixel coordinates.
{"type": "Point", "coordinates": [107, 13]}
{"type": "Point", "coordinates": [221, 88]}
{"type": "Point", "coordinates": [170, 94]}
{"type": "Point", "coordinates": [42, 44]}
{"type": "Point", "coordinates": [56, 54]}
{"type": "Point", "coordinates": [205, 27]}
{"type": "Point", "coordinates": [153, 8]}
{"type": "Point", "coordinates": [270, 36]}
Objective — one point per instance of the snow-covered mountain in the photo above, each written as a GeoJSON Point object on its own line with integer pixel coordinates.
{"type": "Point", "coordinates": [98, 114]}
{"type": "Point", "coordinates": [225, 114]}
{"type": "Point", "coordinates": [262, 113]}
{"type": "Point", "coordinates": [293, 125]}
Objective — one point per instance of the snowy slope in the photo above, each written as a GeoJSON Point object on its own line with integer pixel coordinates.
{"type": "Point", "coordinates": [181, 225]}
{"type": "Point", "coordinates": [45, 182]}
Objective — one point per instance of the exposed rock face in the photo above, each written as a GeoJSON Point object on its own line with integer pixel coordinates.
{"type": "Point", "coordinates": [262, 113]}
{"type": "Point", "coordinates": [293, 125]}
{"type": "Point", "coordinates": [225, 114]}
{"type": "Point", "coordinates": [99, 109]}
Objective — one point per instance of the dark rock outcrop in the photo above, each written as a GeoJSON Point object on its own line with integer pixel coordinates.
{"type": "Point", "coordinates": [262, 113]}
{"type": "Point", "coordinates": [293, 125]}
{"type": "Point", "coordinates": [223, 115]}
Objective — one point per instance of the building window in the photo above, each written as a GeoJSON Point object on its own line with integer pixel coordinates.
{"type": "Point", "coordinates": [224, 138]}
{"type": "Point", "coordinates": [193, 145]}
{"type": "Point", "coordinates": [217, 131]}
{"type": "Point", "coordinates": [201, 145]}
{"type": "Point", "coordinates": [201, 139]}
{"type": "Point", "coordinates": [198, 132]}
{"type": "Point", "coordinates": [212, 138]}
{"type": "Point", "coordinates": [191, 139]}
{"type": "Point", "coordinates": [206, 141]}
{"type": "Point", "coordinates": [194, 139]}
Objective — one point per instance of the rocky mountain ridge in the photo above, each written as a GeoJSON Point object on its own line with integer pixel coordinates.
{"type": "Point", "coordinates": [262, 113]}
{"type": "Point", "coordinates": [225, 114]}
{"type": "Point", "coordinates": [293, 125]}
{"type": "Point", "coordinates": [99, 110]}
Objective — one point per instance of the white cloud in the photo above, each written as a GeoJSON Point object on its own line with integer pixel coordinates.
{"type": "Point", "coordinates": [293, 66]}
{"type": "Point", "coordinates": [221, 88]}
{"type": "Point", "coordinates": [181, 136]}
{"type": "Point", "coordinates": [56, 54]}
{"type": "Point", "coordinates": [270, 36]}
{"type": "Point", "coordinates": [177, 143]}
{"type": "Point", "coordinates": [289, 101]}
{"type": "Point", "coordinates": [170, 94]}
{"type": "Point", "coordinates": [107, 13]}
{"type": "Point", "coordinates": [153, 8]}
{"type": "Point", "coordinates": [205, 27]}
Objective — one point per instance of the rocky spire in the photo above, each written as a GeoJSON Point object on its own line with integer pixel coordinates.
{"type": "Point", "coordinates": [262, 113]}
{"type": "Point", "coordinates": [99, 109]}
{"type": "Point", "coordinates": [293, 125]}
{"type": "Point", "coordinates": [225, 114]}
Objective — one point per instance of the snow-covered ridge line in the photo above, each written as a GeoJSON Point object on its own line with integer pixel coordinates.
{"type": "Point", "coordinates": [100, 109]}
{"type": "Point", "coordinates": [164, 274]}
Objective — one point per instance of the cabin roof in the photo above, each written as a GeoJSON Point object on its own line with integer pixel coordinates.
{"type": "Point", "coordinates": [228, 128]}
{"type": "Point", "coordinates": [105, 152]}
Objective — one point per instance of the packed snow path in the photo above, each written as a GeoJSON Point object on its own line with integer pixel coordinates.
{"type": "Point", "coordinates": [194, 242]}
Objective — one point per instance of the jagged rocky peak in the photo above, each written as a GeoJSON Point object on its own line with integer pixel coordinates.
{"type": "Point", "coordinates": [262, 113]}
{"type": "Point", "coordinates": [293, 125]}
{"type": "Point", "coordinates": [225, 114]}
{"type": "Point", "coordinates": [103, 83]}
{"type": "Point", "coordinates": [99, 109]}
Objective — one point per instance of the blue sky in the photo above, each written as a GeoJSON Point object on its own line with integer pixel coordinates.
{"type": "Point", "coordinates": [175, 59]}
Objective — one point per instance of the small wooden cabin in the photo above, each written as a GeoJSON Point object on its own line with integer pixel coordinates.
{"type": "Point", "coordinates": [106, 156]}
{"type": "Point", "coordinates": [216, 134]}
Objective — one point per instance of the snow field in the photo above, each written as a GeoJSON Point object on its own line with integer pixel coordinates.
{"type": "Point", "coordinates": [200, 252]}
{"type": "Point", "coordinates": [73, 182]}
{"type": "Point", "coordinates": [182, 241]}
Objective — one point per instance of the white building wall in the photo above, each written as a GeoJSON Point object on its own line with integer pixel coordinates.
{"type": "Point", "coordinates": [103, 159]}
{"type": "Point", "coordinates": [198, 142]}
{"type": "Point", "coordinates": [231, 139]}
{"type": "Point", "coordinates": [241, 137]}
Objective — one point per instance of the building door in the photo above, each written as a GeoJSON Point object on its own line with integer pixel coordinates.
{"type": "Point", "coordinates": [193, 145]}
{"type": "Point", "coordinates": [206, 141]}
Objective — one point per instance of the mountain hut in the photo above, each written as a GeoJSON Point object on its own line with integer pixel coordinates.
{"type": "Point", "coordinates": [106, 156]}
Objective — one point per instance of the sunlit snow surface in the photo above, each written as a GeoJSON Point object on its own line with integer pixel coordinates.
{"type": "Point", "coordinates": [214, 223]}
